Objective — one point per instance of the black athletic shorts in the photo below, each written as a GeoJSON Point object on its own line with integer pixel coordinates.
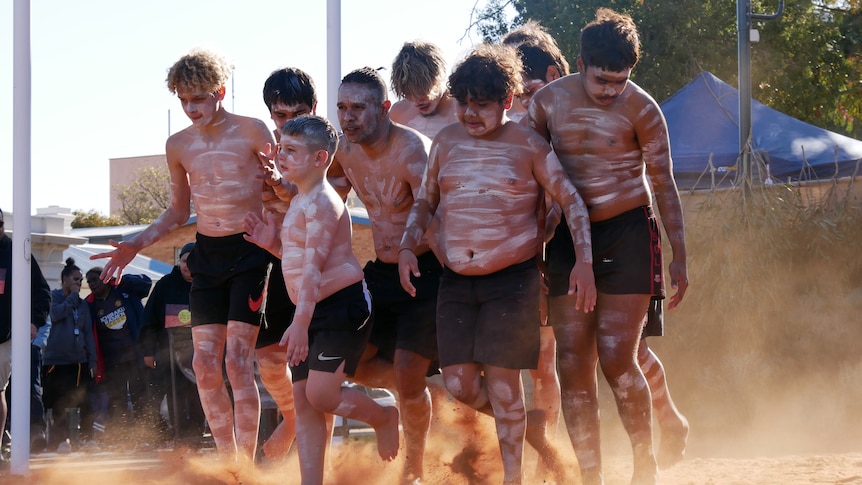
{"type": "Point", "coordinates": [278, 310]}
{"type": "Point", "coordinates": [627, 256]}
{"type": "Point", "coordinates": [490, 319]}
{"type": "Point", "coordinates": [400, 320]}
{"type": "Point", "coordinates": [228, 280]}
{"type": "Point", "coordinates": [338, 332]}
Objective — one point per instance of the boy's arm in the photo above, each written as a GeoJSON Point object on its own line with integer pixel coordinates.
{"type": "Point", "coordinates": [336, 176]}
{"type": "Point", "coordinates": [321, 226]}
{"type": "Point", "coordinates": [551, 175]}
{"type": "Point", "coordinates": [651, 131]}
{"type": "Point", "coordinates": [424, 207]}
{"type": "Point", "coordinates": [172, 218]}
{"type": "Point", "coordinates": [536, 118]}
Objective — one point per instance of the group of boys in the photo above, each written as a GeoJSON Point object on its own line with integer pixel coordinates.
{"type": "Point", "coordinates": [458, 224]}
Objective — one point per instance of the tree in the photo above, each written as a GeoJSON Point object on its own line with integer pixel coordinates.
{"type": "Point", "coordinates": [807, 63]}
{"type": "Point", "coordinates": [143, 200]}
{"type": "Point", "coordinates": [93, 218]}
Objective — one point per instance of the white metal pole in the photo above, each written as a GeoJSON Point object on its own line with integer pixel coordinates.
{"type": "Point", "coordinates": [21, 108]}
{"type": "Point", "coordinates": [333, 58]}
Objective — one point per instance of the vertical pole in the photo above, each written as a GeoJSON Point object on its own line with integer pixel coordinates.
{"type": "Point", "coordinates": [21, 156]}
{"type": "Point", "coordinates": [743, 22]}
{"type": "Point", "coordinates": [333, 58]}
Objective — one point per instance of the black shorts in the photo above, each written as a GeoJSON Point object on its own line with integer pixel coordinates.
{"type": "Point", "coordinates": [228, 280]}
{"type": "Point", "coordinates": [490, 319]}
{"type": "Point", "coordinates": [338, 332]}
{"type": "Point", "coordinates": [654, 320]}
{"type": "Point", "coordinates": [400, 320]}
{"type": "Point", "coordinates": [278, 310]}
{"type": "Point", "coordinates": [626, 255]}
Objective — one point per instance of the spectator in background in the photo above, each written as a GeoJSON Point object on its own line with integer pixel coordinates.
{"type": "Point", "coordinates": [40, 302]}
{"type": "Point", "coordinates": [167, 310]}
{"type": "Point", "coordinates": [69, 361]}
{"type": "Point", "coordinates": [117, 311]}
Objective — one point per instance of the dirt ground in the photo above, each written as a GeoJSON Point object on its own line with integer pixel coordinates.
{"type": "Point", "coordinates": [763, 357]}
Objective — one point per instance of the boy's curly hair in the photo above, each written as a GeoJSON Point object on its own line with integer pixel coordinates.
{"type": "Point", "coordinates": [200, 69]}
{"type": "Point", "coordinates": [489, 72]}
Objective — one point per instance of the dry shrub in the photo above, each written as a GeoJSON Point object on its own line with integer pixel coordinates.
{"type": "Point", "coordinates": [763, 354]}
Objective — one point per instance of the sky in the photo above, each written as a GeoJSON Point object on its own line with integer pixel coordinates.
{"type": "Point", "coordinates": [98, 72]}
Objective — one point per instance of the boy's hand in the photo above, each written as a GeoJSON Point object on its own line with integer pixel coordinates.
{"type": "Point", "coordinates": [408, 265]}
{"type": "Point", "coordinates": [121, 256]}
{"type": "Point", "coordinates": [582, 283]}
{"type": "Point", "coordinates": [296, 340]}
{"type": "Point", "coordinates": [678, 281]}
{"type": "Point", "coordinates": [264, 233]}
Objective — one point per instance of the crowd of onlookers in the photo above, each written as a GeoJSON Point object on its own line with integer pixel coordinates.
{"type": "Point", "coordinates": [101, 370]}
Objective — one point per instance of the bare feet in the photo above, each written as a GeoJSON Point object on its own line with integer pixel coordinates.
{"type": "Point", "coordinates": [672, 448]}
{"type": "Point", "coordinates": [387, 435]}
{"type": "Point", "coordinates": [535, 437]}
{"type": "Point", "coordinates": [275, 447]}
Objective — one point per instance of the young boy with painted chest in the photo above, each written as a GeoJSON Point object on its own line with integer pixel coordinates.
{"type": "Point", "coordinates": [483, 184]}
{"type": "Point", "coordinates": [331, 324]}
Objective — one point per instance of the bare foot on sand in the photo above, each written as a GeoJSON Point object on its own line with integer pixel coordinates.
{"type": "Point", "coordinates": [387, 435]}
{"type": "Point", "coordinates": [277, 447]}
{"type": "Point", "coordinates": [672, 448]}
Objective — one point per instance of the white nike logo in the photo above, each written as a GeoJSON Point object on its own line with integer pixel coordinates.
{"type": "Point", "coordinates": [326, 357]}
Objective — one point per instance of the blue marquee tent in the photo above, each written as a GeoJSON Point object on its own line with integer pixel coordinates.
{"type": "Point", "coordinates": [703, 121]}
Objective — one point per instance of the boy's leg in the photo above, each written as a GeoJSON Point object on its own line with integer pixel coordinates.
{"type": "Point", "coordinates": [275, 375]}
{"type": "Point", "coordinates": [673, 425]}
{"type": "Point", "coordinates": [414, 401]}
{"type": "Point", "coordinates": [324, 391]}
{"type": "Point", "coordinates": [577, 357]}
{"type": "Point", "coordinates": [209, 343]}
{"type": "Point", "coordinates": [311, 436]}
{"type": "Point", "coordinates": [239, 364]}
{"type": "Point", "coordinates": [546, 382]}
{"type": "Point", "coordinates": [507, 399]}
{"type": "Point", "coordinates": [620, 321]}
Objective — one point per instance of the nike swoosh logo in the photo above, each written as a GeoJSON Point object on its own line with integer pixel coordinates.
{"type": "Point", "coordinates": [254, 305]}
{"type": "Point", "coordinates": [326, 357]}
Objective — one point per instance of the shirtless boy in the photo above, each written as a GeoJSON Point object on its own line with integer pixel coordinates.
{"type": "Point", "coordinates": [287, 92]}
{"type": "Point", "coordinates": [483, 184]}
{"type": "Point", "coordinates": [610, 136]}
{"type": "Point", "coordinates": [419, 79]}
{"type": "Point", "coordinates": [331, 324]}
{"type": "Point", "coordinates": [383, 163]}
{"type": "Point", "coordinates": [532, 33]}
{"type": "Point", "coordinates": [214, 162]}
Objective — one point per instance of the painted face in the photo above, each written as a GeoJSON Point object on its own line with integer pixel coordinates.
{"type": "Point", "coordinates": [184, 267]}
{"type": "Point", "coordinates": [482, 117]}
{"type": "Point", "coordinates": [294, 157]}
{"type": "Point", "coordinates": [359, 114]}
{"type": "Point", "coordinates": [281, 113]}
{"type": "Point", "coordinates": [530, 88]}
{"type": "Point", "coordinates": [603, 86]}
{"type": "Point", "coordinates": [199, 106]}
{"type": "Point", "coordinates": [427, 104]}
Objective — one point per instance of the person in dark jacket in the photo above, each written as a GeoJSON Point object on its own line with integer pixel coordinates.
{"type": "Point", "coordinates": [69, 358]}
{"type": "Point", "coordinates": [117, 313]}
{"type": "Point", "coordinates": [167, 316]}
{"type": "Point", "coordinates": [40, 302]}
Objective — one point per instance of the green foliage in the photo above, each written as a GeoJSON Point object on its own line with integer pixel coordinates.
{"type": "Point", "coordinates": [143, 200]}
{"type": "Point", "coordinates": [807, 63]}
{"type": "Point", "coordinates": [93, 218]}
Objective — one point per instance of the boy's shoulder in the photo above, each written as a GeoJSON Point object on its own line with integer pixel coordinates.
{"type": "Point", "coordinates": [409, 138]}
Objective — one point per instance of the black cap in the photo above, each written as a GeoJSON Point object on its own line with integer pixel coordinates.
{"type": "Point", "coordinates": [187, 248]}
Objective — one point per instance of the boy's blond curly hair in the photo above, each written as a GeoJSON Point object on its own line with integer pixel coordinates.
{"type": "Point", "coordinates": [200, 69]}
